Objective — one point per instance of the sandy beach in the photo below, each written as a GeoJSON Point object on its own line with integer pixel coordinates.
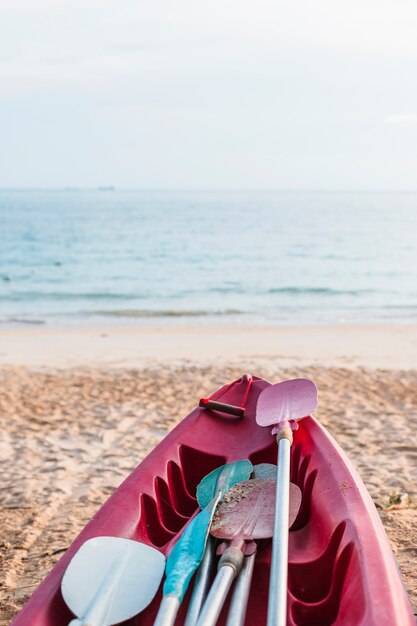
{"type": "Point", "coordinates": [384, 346]}
{"type": "Point", "coordinates": [80, 408]}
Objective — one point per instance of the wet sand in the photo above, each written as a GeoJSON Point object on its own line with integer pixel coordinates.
{"type": "Point", "coordinates": [71, 433]}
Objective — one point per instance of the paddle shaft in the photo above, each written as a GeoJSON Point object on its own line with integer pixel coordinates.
{"type": "Point", "coordinates": [229, 567]}
{"type": "Point", "coordinates": [240, 597]}
{"type": "Point", "coordinates": [167, 611]}
{"type": "Point", "coordinates": [277, 603]}
{"type": "Point", "coordinates": [216, 597]}
{"type": "Point", "coordinates": [201, 583]}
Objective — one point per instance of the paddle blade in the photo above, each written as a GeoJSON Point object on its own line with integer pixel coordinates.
{"type": "Point", "coordinates": [110, 579]}
{"type": "Point", "coordinates": [187, 554]}
{"type": "Point", "coordinates": [248, 510]}
{"type": "Point", "coordinates": [265, 470]}
{"type": "Point", "coordinates": [289, 400]}
{"type": "Point", "coordinates": [222, 479]}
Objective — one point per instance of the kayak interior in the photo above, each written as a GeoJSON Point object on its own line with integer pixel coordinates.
{"type": "Point", "coordinates": [316, 579]}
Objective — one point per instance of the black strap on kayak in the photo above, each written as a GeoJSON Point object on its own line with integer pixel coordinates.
{"type": "Point", "coordinates": [214, 405]}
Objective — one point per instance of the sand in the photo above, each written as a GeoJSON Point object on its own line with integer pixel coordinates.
{"type": "Point", "coordinates": [74, 422]}
{"type": "Point", "coordinates": [380, 346]}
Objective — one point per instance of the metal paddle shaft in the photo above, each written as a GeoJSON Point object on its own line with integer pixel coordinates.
{"type": "Point", "coordinates": [282, 405]}
{"type": "Point", "coordinates": [217, 596]}
{"type": "Point", "coordinates": [201, 583]}
{"type": "Point", "coordinates": [168, 610]}
{"type": "Point", "coordinates": [111, 579]}
{"type": "Point", "coordinates": [240, 597]}
{"type": "Point", "coordinates": [277, 605]}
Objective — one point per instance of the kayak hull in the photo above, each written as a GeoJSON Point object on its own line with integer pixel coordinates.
{"type": "Point", "coordinates": [341, 568]}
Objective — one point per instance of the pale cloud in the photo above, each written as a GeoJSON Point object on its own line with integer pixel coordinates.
{"type": "Point", "coordinates": [402, 119]}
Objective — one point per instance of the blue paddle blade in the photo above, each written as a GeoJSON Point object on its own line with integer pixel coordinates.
{"type": "Point", "coordinates": [222, 479]}
{"type": "Point", "coordinates": [187, 554]}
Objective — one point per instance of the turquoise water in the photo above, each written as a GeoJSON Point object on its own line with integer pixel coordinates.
{"type": "Point", "coordinates": [136, 257]}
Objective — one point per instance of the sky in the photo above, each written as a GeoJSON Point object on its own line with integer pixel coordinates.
{"type": "Point", "coordinates": [191, 94]}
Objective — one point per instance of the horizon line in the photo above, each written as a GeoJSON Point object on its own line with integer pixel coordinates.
{"type": "Point", "coordinates": [112, 188]}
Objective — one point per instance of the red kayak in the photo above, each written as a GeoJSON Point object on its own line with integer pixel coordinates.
{"type": "Point", "coordinates": [341, 568]}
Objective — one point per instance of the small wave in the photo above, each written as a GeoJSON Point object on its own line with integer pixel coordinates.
{"type": "Point", "coordinates": [319, 291]}
{"type": "Point", "coordinates": [21, 320]}
{"type": "Point", "coordinates": [227, 289]}
{"type": "Point", "coordinates": [139, 313]}
{"type": "Point", "coordinates": [63, 296]}
{"type": "Point", "coordinates": [292, 291]}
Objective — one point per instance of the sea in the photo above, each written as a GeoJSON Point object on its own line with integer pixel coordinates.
{"type": "Point", "coordinates": [107, 256]}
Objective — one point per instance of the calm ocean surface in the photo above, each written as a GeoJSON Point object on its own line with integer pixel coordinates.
{"type": "Point", "coordinates": [264, 258]}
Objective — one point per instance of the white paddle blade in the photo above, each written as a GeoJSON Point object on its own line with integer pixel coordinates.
{"type": "Point", "coordinates": [289, 400]}
{"type": "Point", "coordinates": [110, 579]}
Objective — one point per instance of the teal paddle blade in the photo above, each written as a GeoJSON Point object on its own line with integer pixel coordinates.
{"type": "Point", "coordinates": [187, 554]}
{"type": "Point", "coordinates": [222, 479]}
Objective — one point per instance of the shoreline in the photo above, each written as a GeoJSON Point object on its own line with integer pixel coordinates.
{"type": "Point", "coordinates": [375, 346]}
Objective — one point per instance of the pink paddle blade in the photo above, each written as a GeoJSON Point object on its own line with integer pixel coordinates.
{"type": "Point", "coordinates": [248, 510]}
{"type": "Point", "coordinates": [289, 400]}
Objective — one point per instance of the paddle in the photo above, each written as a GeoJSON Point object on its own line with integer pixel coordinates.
{"type": "Point", "coordinates": [246, 514]}
{"type": "Point", "coordinates": [110, 579]}
{"type": "Point", "coordinates": [220, 479]}
{"type": "Point", "coordinates": [282, 405]}
{"type": "Point", "coordinates": [240, 596]}
{"type": "Point", "coordinates": [188, 552]}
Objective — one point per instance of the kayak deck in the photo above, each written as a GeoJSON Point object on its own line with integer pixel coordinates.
{"type": "Point", "coordinates": [341, 568]}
